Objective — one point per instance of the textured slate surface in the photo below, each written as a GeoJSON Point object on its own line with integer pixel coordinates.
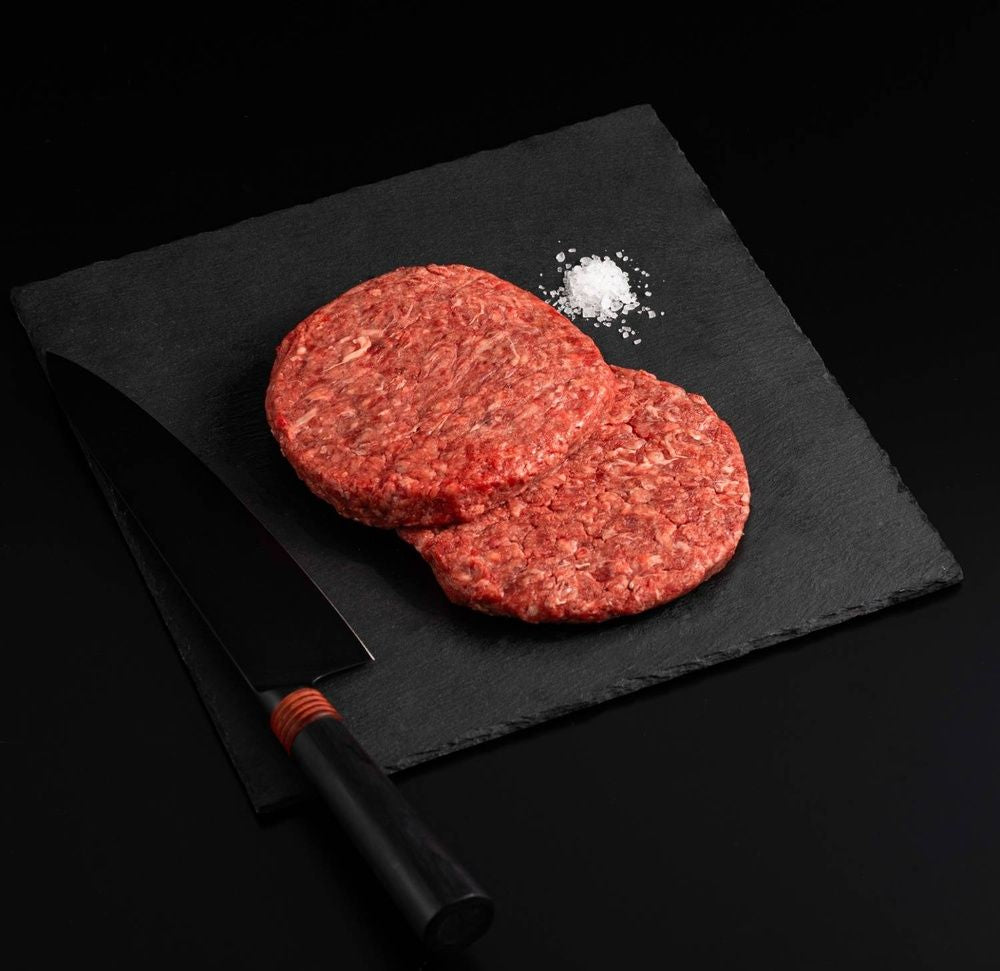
{"type": "Point", "coordinates": [188, 330]}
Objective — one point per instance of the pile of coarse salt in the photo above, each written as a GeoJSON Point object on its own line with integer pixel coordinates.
{"type": "Point", "coordinates": [598, 289]}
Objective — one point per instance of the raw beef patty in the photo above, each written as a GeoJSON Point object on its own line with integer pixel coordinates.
{"type": "Point", "coordinates": [645, 510]}
{"type": "Point", "coordinates": [432, 393]}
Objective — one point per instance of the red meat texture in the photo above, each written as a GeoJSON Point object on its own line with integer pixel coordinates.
{"type": "Point", "coordinates": [650, 506]}
{"type": "Point", "coordinates": [430, 394]}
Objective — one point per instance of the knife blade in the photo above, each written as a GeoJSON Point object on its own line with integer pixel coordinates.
{"type": "Point", "coordinates": [282, 634]}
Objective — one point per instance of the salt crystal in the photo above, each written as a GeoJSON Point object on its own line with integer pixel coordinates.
{"type": "Point", "coordinates": [597, 288]}
{"type": "Point", "coordinates": [638, 340]}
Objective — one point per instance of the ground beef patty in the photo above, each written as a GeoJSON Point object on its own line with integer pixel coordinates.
{"type": "Point", "coordinates": [432, 393]}
{"type": "Point", "coordinates": [645, 510]}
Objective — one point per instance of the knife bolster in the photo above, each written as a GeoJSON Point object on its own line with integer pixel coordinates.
{"type": "Point", "coordinates": [296, 710]}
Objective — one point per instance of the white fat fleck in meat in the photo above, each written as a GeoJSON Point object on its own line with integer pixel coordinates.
{"type": "Point", "coordinates": [364, 342]}
{"type": "Point", "coordinates": [303, 419]}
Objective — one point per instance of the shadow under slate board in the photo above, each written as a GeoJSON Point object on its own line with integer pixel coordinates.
{"type": "Point", "coordinates": [189, 330]}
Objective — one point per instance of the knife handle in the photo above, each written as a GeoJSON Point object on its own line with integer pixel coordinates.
{"type": "Point", "coordinates": [445, 907]}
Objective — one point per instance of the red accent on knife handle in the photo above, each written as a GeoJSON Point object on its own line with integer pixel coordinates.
{"type": "Point", "coordinates": [295, 711]}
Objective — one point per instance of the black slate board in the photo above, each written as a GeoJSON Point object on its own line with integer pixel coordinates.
{"type": "Point", "coordinates": [188, 330]}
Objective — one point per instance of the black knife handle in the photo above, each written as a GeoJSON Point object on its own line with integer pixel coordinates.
{"type": "Point", "coordinates": [440, 901]}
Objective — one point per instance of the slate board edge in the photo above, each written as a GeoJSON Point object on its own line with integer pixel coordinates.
{"type": "Point", "coordinates": [951, 574]}
{"type": "Point", "coordinates": [901, 486]}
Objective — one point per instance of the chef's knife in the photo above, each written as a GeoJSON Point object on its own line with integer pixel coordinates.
{"type": "Point", "coordinates": [282, 634]}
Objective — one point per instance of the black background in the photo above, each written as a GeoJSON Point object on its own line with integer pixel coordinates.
{"type": "Point", "coordinates": [828, 804]}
